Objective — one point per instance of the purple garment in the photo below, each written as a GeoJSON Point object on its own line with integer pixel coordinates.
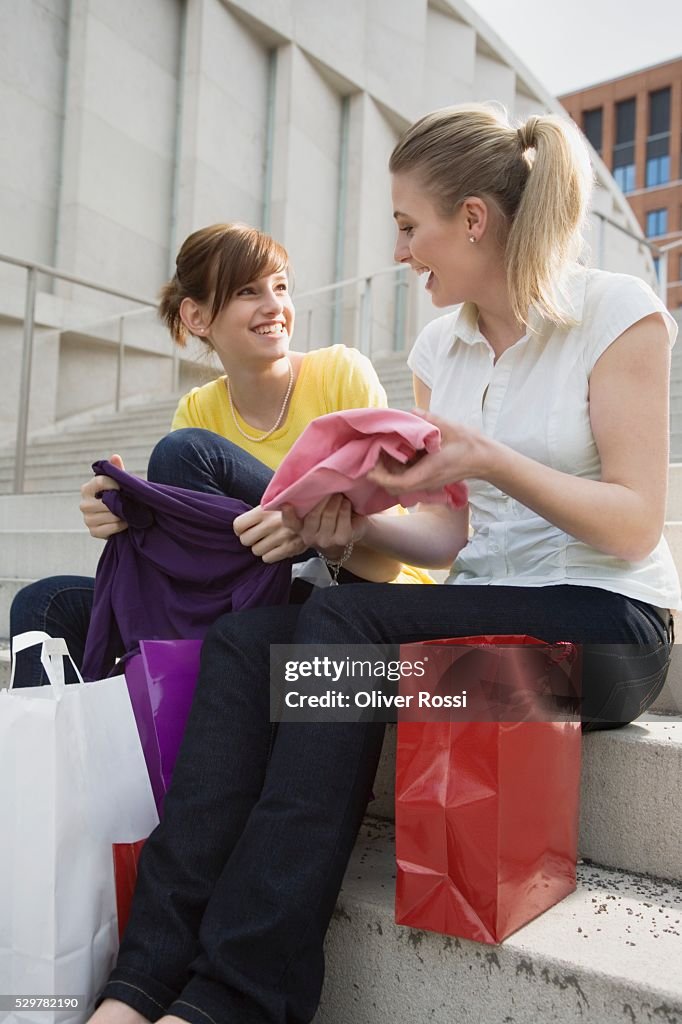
{"type": "Point", "coordinates": [175, 570]}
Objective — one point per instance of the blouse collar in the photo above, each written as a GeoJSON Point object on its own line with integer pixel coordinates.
{"type": "Point", "coordinates": [570, 294]}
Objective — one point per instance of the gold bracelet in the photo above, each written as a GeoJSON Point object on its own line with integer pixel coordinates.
{"type": "Point", "coordinates": [335, 566]}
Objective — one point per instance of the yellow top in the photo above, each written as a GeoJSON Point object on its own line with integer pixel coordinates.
{"type": "Point", "coordinates": [329, 379]}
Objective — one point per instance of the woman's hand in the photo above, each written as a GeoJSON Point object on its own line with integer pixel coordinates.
{"type": "Point", "coordinates": [329, 527]}
{"type": "Point", "coordinates": [99, 520]}
{"type": "Point", "coordinates": [267, 534]}
{"type": "Point", "coordinates": [464, 454]}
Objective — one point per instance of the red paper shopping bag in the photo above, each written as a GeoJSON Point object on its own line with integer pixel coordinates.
{"type": "Point", "coordinates": [126, 856]}
{"type": "Point", "coordinates": [487, 811]}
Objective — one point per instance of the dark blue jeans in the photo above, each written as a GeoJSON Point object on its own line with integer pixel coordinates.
{"type": "Point", "coordinates": [238, 883]}
{"type": "Point", "coordinates": [61, 605]}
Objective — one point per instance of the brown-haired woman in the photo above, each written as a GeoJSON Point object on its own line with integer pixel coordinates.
{"type": "Point", "coordinates": [231, 290]}
{"type": "Point", "coordinates": [556, 377]}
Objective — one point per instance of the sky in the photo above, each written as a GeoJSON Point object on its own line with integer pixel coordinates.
{"type": "Point", "coordinates": [568, 44]}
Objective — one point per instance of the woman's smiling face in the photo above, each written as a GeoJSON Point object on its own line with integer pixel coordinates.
{"type": "Point", "coordinates": [257, 322]}
{"type": "Point", "coordinates": [432, 244]}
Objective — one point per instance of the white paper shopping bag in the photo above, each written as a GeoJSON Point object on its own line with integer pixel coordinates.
{"type": "Point", "coordinates": [73, 780]}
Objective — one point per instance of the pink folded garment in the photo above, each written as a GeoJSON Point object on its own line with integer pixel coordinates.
{"type": "Point", "coordinates": [335, 452]}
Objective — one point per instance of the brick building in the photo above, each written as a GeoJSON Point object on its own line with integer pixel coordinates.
{"type": "Point", "coordinates": [635, 124]}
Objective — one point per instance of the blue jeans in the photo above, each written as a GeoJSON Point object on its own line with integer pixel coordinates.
{"type": "Point", "coordinates": [61, 605]}
{"type": "Point", "coordinates": [237, 885]}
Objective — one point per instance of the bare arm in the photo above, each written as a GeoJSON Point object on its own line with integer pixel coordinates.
{"type": "Point", "coordinates": [422, 393]}
{"type": "Point", "coordinates": [431, 537]}
{"type": "Point", "coordinates": [622, 514]}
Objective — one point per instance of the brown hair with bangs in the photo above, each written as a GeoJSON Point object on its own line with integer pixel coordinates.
{"type": "Point", "coordinates": [212, 265]}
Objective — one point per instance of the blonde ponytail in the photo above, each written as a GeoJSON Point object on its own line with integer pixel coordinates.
{"type": "Point", "coordinates": [546, 231]}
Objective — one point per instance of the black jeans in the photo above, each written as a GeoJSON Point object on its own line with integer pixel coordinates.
{"type": "Point", "coordinates": [238, 883]}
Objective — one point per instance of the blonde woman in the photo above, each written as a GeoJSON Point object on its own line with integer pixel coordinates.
{"type": "Point", "coordinates": [549, 383]}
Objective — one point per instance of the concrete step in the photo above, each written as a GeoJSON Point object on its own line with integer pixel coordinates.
{"type": "Point", "coordinates": [138, 428]}
{"type": "Point", "coordinates": [37, 512]}
{"type": "Point", "coordinates": [137, 417]}
{"type": "Point", "coordinates": [607, 954]}
{"type": "Point", "coordinates": [138, 412]}
{"type": "Point", "coordinates": [631, 798]}
{"type": "Point", "coordinates": [150, 427]}
{"type": "Point", "coordinates": [70, 481]}
{"type": "Point", "coordinates": [59, 551]}
{"type": "Point", "coordinates": [134, 410]}
{"type": "Point", "coordinates": [100, 434]}
{"type": "Point", "coordinates": [64, 456]}
{"type": "Point", "coordinates": [669, 700]}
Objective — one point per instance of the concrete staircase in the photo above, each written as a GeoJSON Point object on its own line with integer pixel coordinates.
{"type": "Point", "coordinates": [60, 461]}
{"type": "Point", "coordinates": [610, 954]}
{"type": "Point", "coordinates": [397, 380]}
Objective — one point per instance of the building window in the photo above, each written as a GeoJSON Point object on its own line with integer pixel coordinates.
{"type": "Point", "coordinates": [658, 139]}
{"type": "Point", "coordinates": [625, 177]}
{"type": "Point", "coordinates": [657, 170]}
{"type": "Point", "coordinates": [592, 127]}
{"type": "Point", "coordinates": [656, 223]}
{"type": "Point", "coordinates": [624, 149]}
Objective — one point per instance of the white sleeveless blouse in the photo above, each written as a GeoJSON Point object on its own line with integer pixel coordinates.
{"type": "Point", "coordinates": [535, 399]}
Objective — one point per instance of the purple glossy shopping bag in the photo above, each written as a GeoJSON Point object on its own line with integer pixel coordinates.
{"type": "Point", "coordinates": [161, 681]}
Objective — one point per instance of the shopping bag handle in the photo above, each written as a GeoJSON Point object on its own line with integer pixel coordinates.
{"type": "Point", "coordinates": [52, 653]}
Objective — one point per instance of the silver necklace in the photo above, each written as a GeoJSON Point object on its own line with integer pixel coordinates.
{"type": "Point", "coordinates": [263, 437]}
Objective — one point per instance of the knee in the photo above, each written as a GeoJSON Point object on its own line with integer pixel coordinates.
{"type": "Point", "coordinates": [185, 456]}
{"type": "Point", "coordinates": [26, 610]}
{"type": "Point", "coordinates": [168, 453]}
{"type": "Point", "coordinates": [55, 602]}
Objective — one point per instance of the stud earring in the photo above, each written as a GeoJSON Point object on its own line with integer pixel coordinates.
{"type": "Point", "coordinates": [471, 238]}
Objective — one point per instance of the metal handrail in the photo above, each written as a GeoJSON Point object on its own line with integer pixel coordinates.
{"type": "Point", "coordinates": [626, 231]}
{"type": "Point", "coordinates": [63, 275]}
{"type": "Point", "coordinates": [663, 265]}
{"type": "Point", "coordinates": [32, 270]}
